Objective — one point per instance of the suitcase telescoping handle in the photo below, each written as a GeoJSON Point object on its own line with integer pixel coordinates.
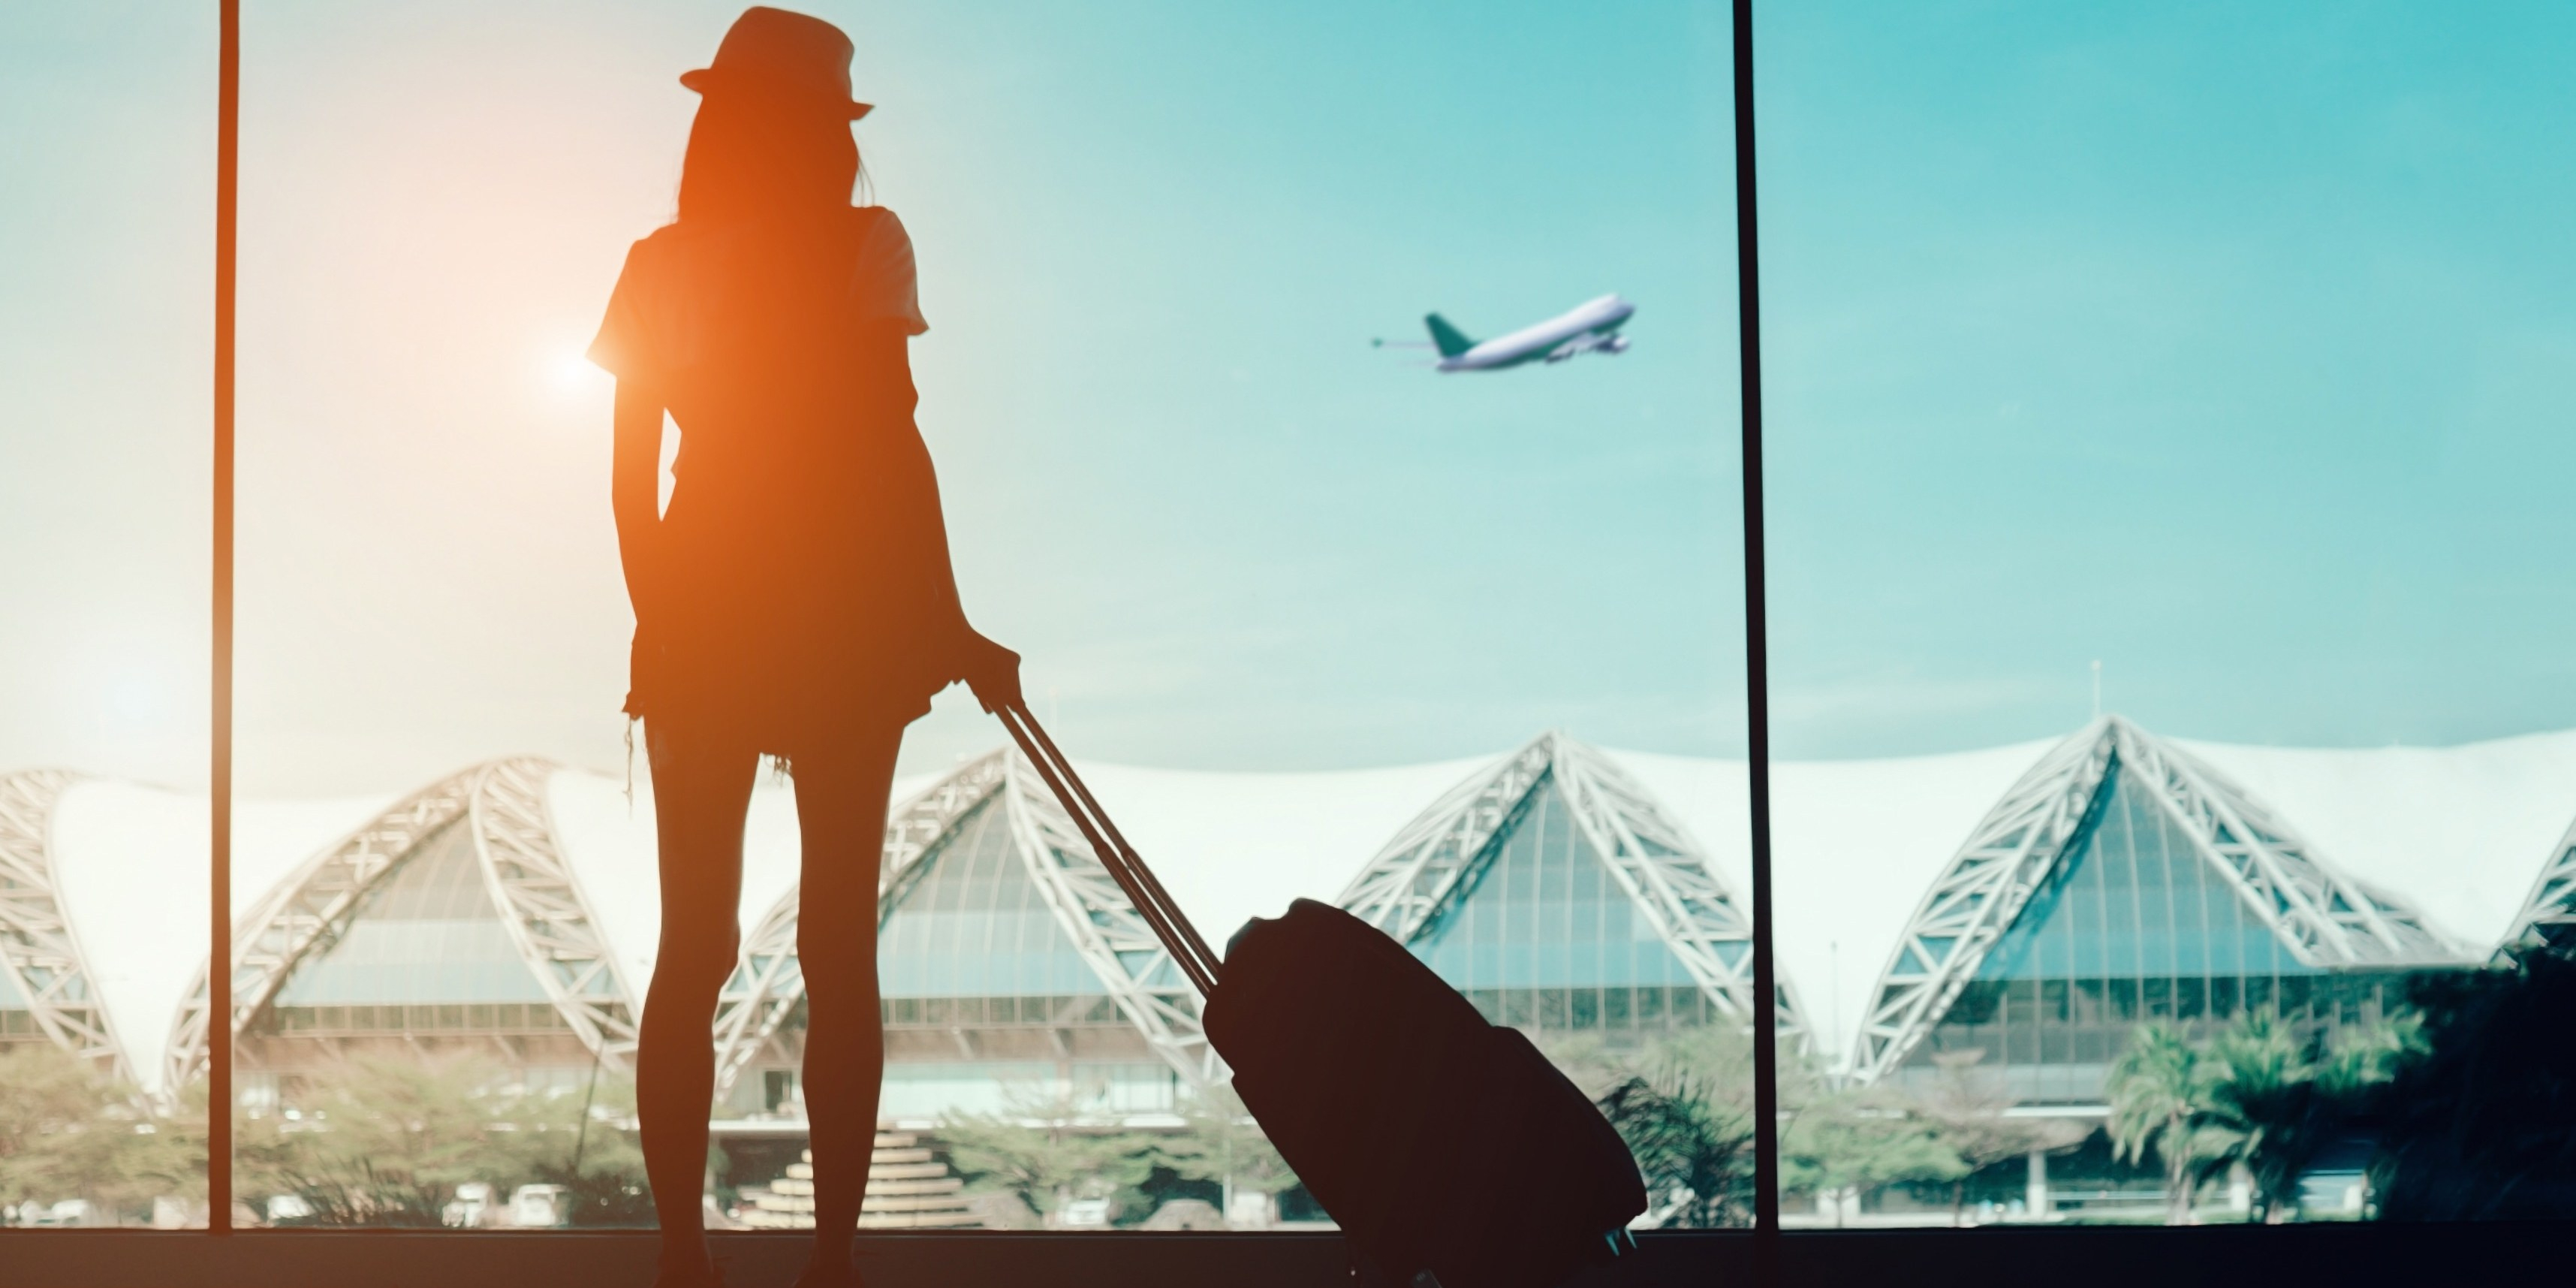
{"type": "Point", "coordinates": [1152, 902]}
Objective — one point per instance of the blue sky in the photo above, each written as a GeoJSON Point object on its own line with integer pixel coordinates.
{"type": "Point", "coordinates": [2226, 345]}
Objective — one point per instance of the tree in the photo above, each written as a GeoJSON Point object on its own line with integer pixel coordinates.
{"type": "Point", "coordinates": [1224, 1145]}
{"type": "Point", "coordinates": [2159, 1093]}
{"type": "Point", "coordinates": [2258, 1096]}
{"type": "Point", "coordinates": [1695, 1156]}
{"type": "Point", "coordinates": [68, 1131]}
{"type": "Point", "coordinates": [1967, 1116]}
{"type": "Point", "coordinates": [2481, 1115]}
{"type": "Point", "coordinates": [1852, 1141]}
{"type": "Point", "coordinates": [1049, 1152]}
{"type": "Point", "coordinates": [602, 1162]}
{"type": "Point", "coordinates": [387, 1139]}
{"type": "Point", "coordinates": [1684, 1104]}
{"type": "Point", "coordinates": [2276, 1102]}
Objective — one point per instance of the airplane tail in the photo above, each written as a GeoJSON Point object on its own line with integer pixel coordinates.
{"type": "Point", "coordinates": [1446, 338]}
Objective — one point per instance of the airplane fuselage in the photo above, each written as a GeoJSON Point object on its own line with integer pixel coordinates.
{"type": "Point", "coordinates": [1592, 325]}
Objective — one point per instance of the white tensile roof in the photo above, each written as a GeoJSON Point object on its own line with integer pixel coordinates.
{"type": "Point", "coordinates": [1854, 844]}
{"type": "Point", "coordinates": [607, 837]}
{"type": "Point", "coordinates": [130, 864]}
{"type": "Point", "coordinates": [1231, 847]}
{"type": "Point", "coordinates": [2458, 831]}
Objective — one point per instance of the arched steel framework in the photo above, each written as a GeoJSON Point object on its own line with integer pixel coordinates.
{"type": "Point", "coordinates": [2550, 908]}
{"type": "Point", "coordinates": [38, 949]}
{"type": "Point", "coordinates": [2322, 917]}
{"type": "Point", "coordinates": [1436, 859]}
{"type": "Point", "coordinates": [533, 888]}
{"type": "Point", "coordinates": [1105, 930]}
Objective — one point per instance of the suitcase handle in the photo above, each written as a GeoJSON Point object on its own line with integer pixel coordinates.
{"type": "Point", "coordinates": [1125, 866]}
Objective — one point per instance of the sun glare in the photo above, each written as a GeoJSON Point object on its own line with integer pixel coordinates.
{"type": "Point", "coordinates": [573, 375]}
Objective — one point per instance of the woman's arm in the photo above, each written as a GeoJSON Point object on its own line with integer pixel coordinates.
{"type": "Point", "coordinates": [635, 488]}
{"type": "Point", "coordinates": [988, 668]}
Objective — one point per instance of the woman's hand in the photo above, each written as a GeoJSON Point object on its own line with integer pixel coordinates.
{"type": "Point", "coordinates": [992, 671]}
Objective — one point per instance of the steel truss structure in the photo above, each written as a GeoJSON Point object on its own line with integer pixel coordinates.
{"type": "Point", "coordinates": [2321, 916]}
{"type": "Point", "coordinates": [2550, 908]}
{"type": "Point", "coordinates": [39, 953]}
{"type": "Point", "coordinates": [1437, 859]}
{"type": "Point", "coordinates": [525, 873]}
{"type": "Point", "coordinates": [1105, 930]}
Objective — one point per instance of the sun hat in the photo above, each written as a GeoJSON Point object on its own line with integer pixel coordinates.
{"type": "Point", "coordinates": [779, 54]}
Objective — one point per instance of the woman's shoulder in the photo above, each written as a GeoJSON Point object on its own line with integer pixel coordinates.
{"type": "Point", "coordinates": [884, 281]}
{"type": "Point", "coordinates": [879, 224]}
{"type": "Point", "coordinates": [654, 251]}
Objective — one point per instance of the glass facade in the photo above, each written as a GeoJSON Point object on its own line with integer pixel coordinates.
{"type": "Point", "coordinates": [17, 1023]}
{"type": "Point", "coordinates": [973, 926]}
{"type": "Point", "coordinates": [2280, 355]}
{"type": "Point", "coordinates": [2136, 899]}
{"type": "Point", "coordinates": [1544, 938]}
{"type": "Point", "coordinates": [986, 1002]}
{"type": "Point", "coordinates": [2136, 925]}
{"type": "Point", "coordinates": [429, 935]}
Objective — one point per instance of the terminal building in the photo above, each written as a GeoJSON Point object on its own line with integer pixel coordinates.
{"type": "Point", "coordinates": [2031, 903]}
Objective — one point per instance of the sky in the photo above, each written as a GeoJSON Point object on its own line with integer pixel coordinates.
{"type": "Point", "coordinates": [2227, 346]}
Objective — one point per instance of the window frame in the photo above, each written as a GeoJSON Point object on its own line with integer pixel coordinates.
{"type": "Point", "coordinates": [72, 1258]}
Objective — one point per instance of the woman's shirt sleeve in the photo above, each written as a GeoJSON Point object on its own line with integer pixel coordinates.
{"type": "Point", "coordinates": [884, 283]}
{"type": "Point", "coordinates": [624, 345]}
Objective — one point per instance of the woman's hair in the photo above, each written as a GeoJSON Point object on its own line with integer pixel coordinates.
{"type": "Point", "coordinates": [749, 155]}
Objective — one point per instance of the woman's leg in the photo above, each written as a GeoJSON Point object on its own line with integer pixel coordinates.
{"type": "Point", "coordinates": [841, 810]}
{"type": "Point", "coordinates": [701, 789]}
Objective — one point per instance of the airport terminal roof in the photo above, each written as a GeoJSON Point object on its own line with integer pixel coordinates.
{"type": "Point", "coordinates": [2456, 832]}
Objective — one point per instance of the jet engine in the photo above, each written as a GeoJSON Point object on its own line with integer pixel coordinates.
{"type": "Point", "coordinates": [1614, 344]}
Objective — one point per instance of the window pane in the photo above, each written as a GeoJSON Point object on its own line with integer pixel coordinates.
{"type": "Point", "coordinates": [2167, 600]}
{"type": "Point", "coordinates": [105, 475]}
{"type": "Point", "coordinates": [1305, 600]}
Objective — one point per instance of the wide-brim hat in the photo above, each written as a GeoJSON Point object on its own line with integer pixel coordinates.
{"type": "Point", "coordinates": [791, 57]}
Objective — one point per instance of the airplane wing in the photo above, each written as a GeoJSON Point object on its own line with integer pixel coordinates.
{"type": "Point", "coordinates": [1589, 342]}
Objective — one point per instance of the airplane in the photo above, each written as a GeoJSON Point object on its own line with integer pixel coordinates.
{"type": "Point", "coordinates": [1592, 326]}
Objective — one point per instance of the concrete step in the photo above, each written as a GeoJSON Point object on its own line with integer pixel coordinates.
{"type": "Point", "coordinates": [917, 1220]}
{"type": "Point", "coordinates": [930, 1203]}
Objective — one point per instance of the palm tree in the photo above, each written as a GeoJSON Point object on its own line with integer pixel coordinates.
{"type": "Point", "coordinates": [1693, 1151]}
{"type": "Point", "coordinates": [2482, 1126]}
{"type": "Point", "coordinates": [2159, 1092]}
{"type": "Point", "coordinates": [2258, 1093]}
{"type": "Point", "coordinates": [2275, 1102]}
{"type": "Point", "coordinates": [1684, 1105]}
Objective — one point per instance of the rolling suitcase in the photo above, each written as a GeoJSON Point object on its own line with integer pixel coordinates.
{"type": "Point", "coordinates": [1451, 1153]}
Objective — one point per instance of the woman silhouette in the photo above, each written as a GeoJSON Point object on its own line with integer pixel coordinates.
{"type": "Point", "coordinates": [796, 598]}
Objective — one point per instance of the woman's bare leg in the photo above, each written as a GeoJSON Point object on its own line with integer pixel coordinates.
{"type": "Point", "coordinates": [841, 810]}
{"type": "Point", "coordinates": [701, 790]}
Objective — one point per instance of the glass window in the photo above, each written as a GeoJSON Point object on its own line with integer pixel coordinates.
{"type": "Point", "coordinates": [104, 479]}
{"type": "Point", "coordinates": [1192, 465]}
{"type": "Point", "coordinates": [2157, 409]}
